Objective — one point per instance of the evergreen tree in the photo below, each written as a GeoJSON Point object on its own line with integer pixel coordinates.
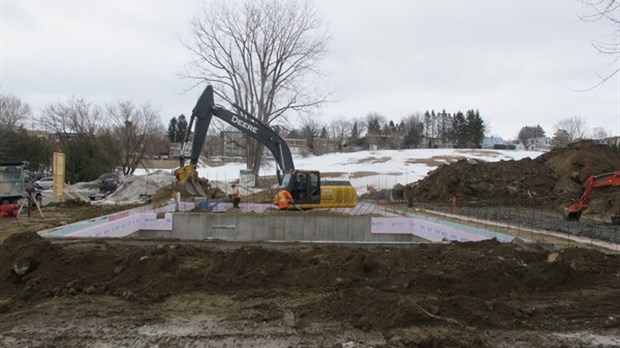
{"type": "Point", "coordinates": [401, 127]}
{"type": "Point", "coordinates": [16, 145]}
{"type": "Point", "coordinates": [391, 128]}
{"type": "Point", "coordinates": [459, 130]}
{"type": "Point", "coordinates": [374, 124]}
{"type": "Point", "coordinates": [475, 129]}
{"type": "Point", "coordinates": [323, 134]}
{"type": "Point", "coordinates": [428, 127]}
{"type": "Point", "coordinates": [181, 128]}
{"type": "Point", "coordinates": [355, 132]}
{"type": "Point", "coordinates": [173, 135]}
{"type": "Point", "coordinates": [444, 127]}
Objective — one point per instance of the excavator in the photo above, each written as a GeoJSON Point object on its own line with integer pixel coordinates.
{"type": "Point", "coordinates": [306, 186]}
{"type": "Point", "coordinates": [573, 212]}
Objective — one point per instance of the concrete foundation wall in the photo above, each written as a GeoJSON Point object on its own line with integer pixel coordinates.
{"type": "Point", "coordinates": [247, 227]}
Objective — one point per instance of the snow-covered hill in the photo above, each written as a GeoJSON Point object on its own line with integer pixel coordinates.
{"type": "Point", "coordinates": [379, 169]}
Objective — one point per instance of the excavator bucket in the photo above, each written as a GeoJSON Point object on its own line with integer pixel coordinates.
{"type": "Point", "coordinates": [188, 181]}
{"type": "Point", "coordinates": [193, 187]}
{"type": "Point", "coordinates": [570, 215]}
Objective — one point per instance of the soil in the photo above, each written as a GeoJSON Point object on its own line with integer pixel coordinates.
{"type": "Point", "coordinates": [551, 181]}
{"type": "Point", "coordinates": [169, 191]}
{"type": "Point", "coordinates": [54, 215]}
{"type": "Point", "coordinates": [485, 294]}
{"type": "Point", "coordinates": [123, 293]}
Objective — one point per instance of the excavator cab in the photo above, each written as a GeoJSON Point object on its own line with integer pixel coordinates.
{"type": "Point", "coordinates": [304, 186]}
{"type": "Point", "coordinates": [310, 192]}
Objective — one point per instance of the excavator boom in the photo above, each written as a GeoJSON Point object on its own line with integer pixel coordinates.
{"type": "Point", "coordinates": [314, 193]}
{"type": "Point", "coordinates": [573, 212]}
{"type": "Point", "coordinates": [202, 114]}
{"type": "Point", "coordinates": [187, 176]}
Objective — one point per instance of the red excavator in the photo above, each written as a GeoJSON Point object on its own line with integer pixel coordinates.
{"type": "Point", "coordinates": [573, 212]}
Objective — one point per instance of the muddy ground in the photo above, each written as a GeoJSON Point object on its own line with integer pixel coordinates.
{"type": "Point", "coordinates": [55, 215]}
{"type": "Point", "coordinates": [485, 294]}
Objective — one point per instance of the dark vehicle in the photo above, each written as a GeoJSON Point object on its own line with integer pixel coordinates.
{"type": "Point", "coordinates": [12, 182]}
{"type": "Point", "coordinates": [109, 185]}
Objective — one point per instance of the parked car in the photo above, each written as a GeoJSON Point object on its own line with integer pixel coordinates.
{"type": "Point", "coordinates": [109, 185]}
{"type": "Point", "coordinates": [45, 183]}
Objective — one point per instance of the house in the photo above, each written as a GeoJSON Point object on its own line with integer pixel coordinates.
{"type": "Point", "coordinates": [538, 144]}
{"type": "Point", "coordinates": [611, 141]}
{"type": "Point", "coordinates": [490, 142]}
{"type": "Point", "coordinates": [517, 144]}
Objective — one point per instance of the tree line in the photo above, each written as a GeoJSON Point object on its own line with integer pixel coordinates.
{"type": "Point", "coordinates": [429, 130]}
{"type": "Point", "coordinates": [95, 139]}
{"type": "Point", "coordinates": [262, 56]}
{"type": "Point", "coordinates": [567, 131]}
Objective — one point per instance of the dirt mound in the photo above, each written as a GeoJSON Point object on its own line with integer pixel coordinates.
{"type": "Point", "coordinates": [70, 203]}
{"type": "Point", "coordinates": [573, 164]}
{"type": "Point", "coordinates": [169, 191]}
{"type": "Point", "coordinates": [552, 180]}
{"type": "Point", "coordinates": [372, 289]}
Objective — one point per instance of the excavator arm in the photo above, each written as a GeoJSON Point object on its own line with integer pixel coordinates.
{"type": "Point", "coordinates": [573, 212]}
{"type": "Point", "coordinates": [202, 114]}
{"type": "Point", "coordinates": [252, 126]}
{"type": "Point", "coordinates": [306, 186]}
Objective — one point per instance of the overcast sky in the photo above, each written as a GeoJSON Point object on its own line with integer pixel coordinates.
{"type": "Point", "coordinates": [518, 62]}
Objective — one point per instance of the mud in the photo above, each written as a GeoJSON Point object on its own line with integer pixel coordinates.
{"type": "Point", "coordinates": [459, 295]}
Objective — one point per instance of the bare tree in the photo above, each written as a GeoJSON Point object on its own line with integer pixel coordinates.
{"type": "Point", "coordinates": [599, 133]}
{"type": "Point", "coordinates": [260, 55]}
{"type": "Point", "coordinates": [76, 117]}
{"type": "Point", "coordinates": [530, 132]}
{"type": "Point", "coordinates": [576, 127]}
{"type": "Point", "coordinates": [341, 130]}
{"type": "Point", "coordinates": [608, 11]}
{"type": "Point", "coordinates": [413, 130]}
{"type": "Point", "coordinates": [13, 112]}
{"type": "Point", "coordinates": [374, 126]}
{"type": "Point", "coordinates": [561, 138]}
{"type": "Point", "coordinates": [80, 132]}
{"type": "Point", "coordinates": [137, 129]}
{"type": "Point", "coordinates": [310, 130]}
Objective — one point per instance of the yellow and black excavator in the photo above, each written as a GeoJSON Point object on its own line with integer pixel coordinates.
{"type": "Point", "coordinates": [306, 186]}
